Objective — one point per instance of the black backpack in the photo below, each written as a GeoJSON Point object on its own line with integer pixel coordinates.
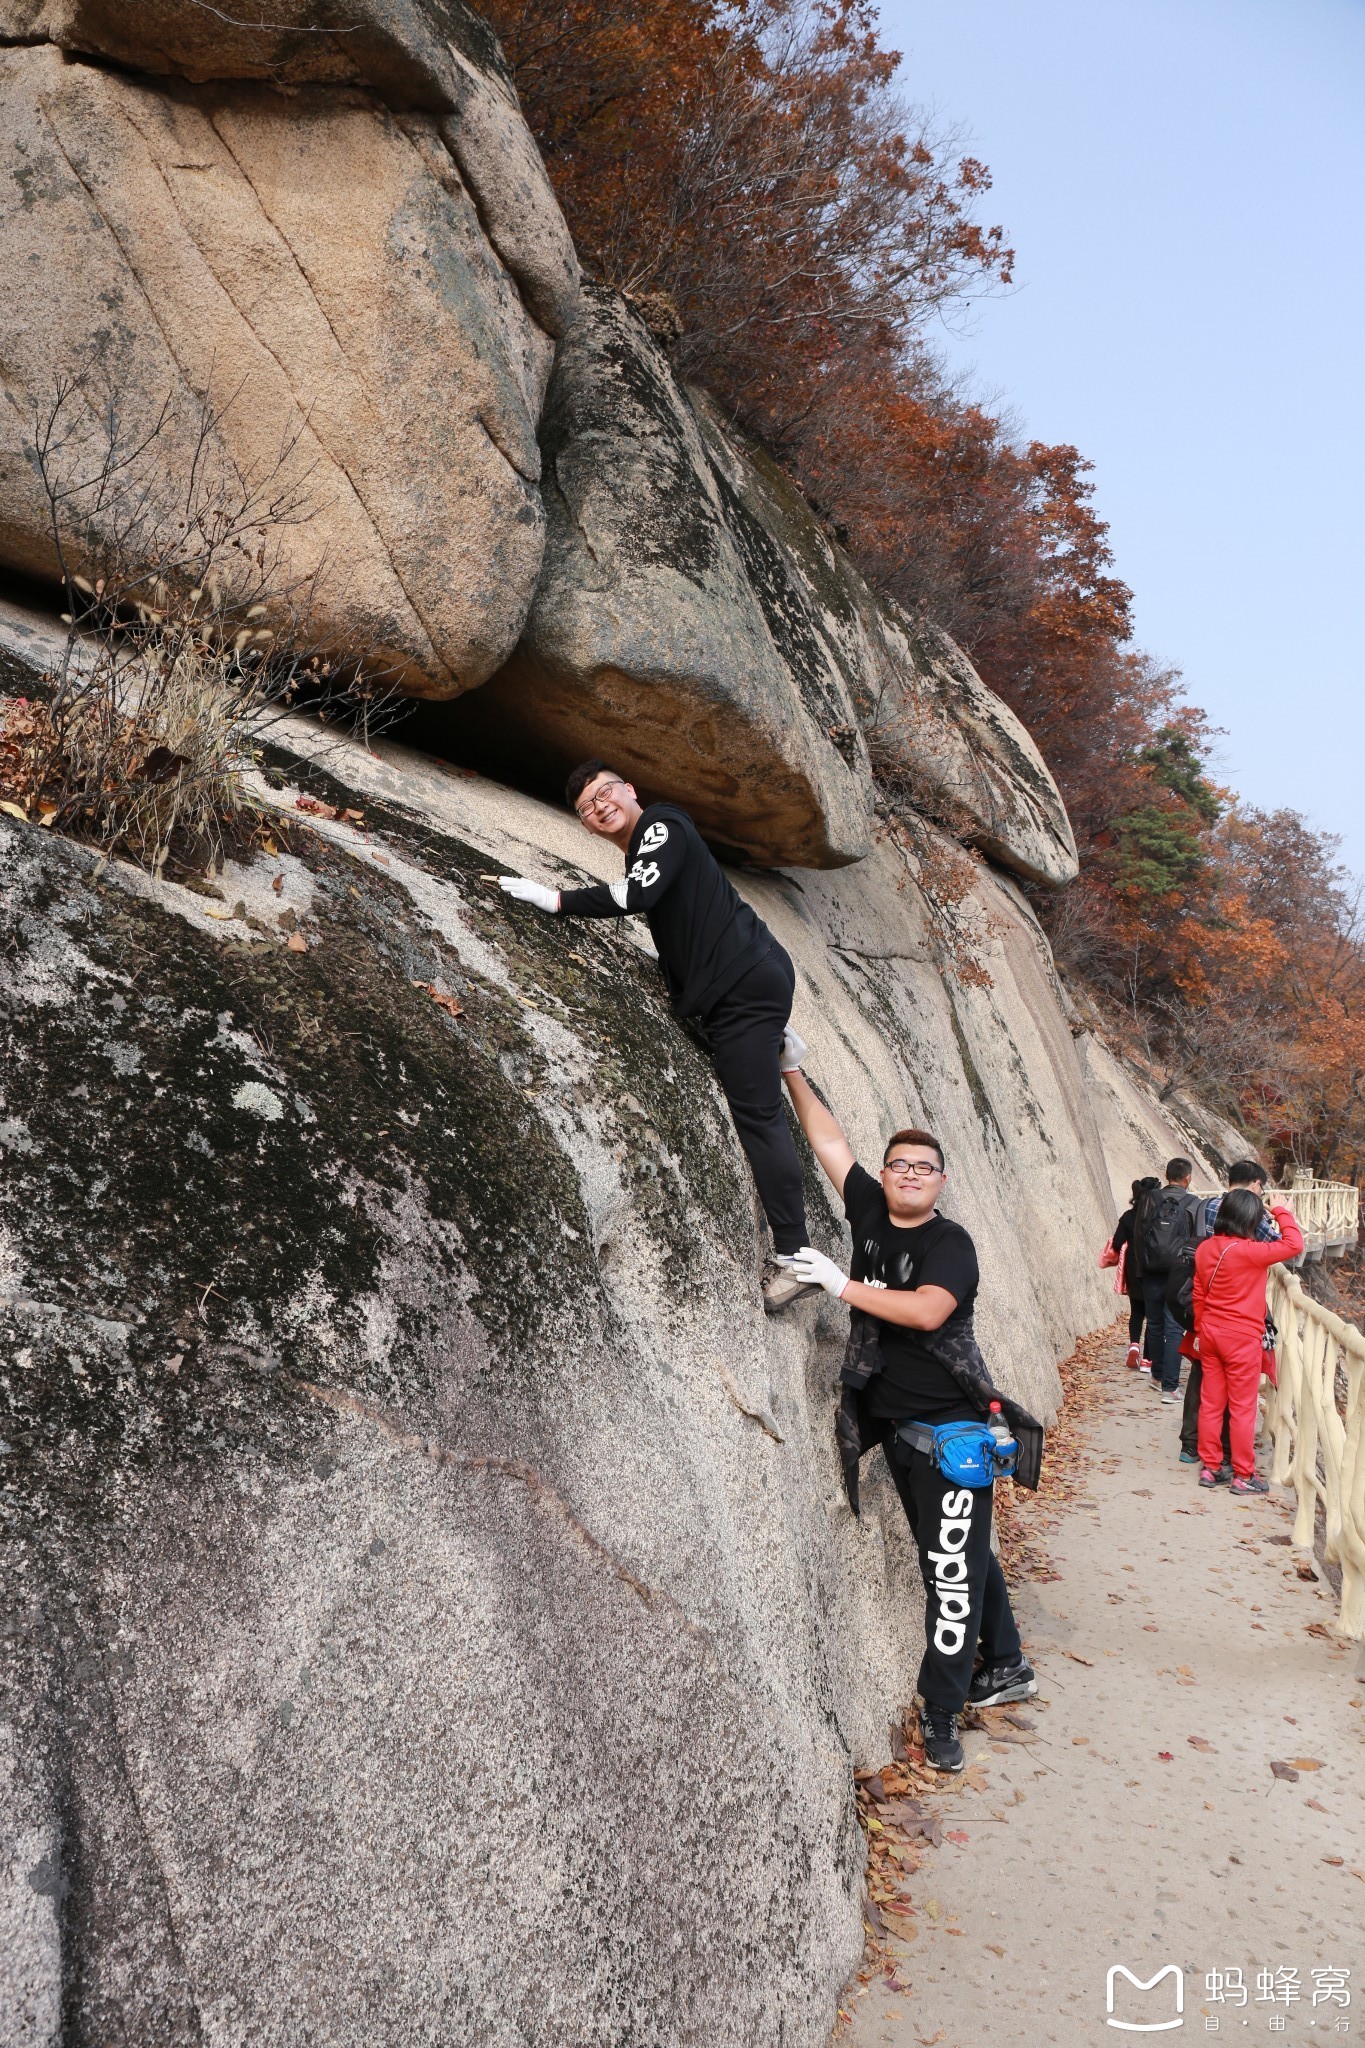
{"type": "Point", "coordinates": [1168, 1226]}
{"type": "Point", "coordinates": [1180, 1286]}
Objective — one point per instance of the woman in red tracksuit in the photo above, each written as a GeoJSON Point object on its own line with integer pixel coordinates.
{"type": "Point", "coordinates": [1230, 1271]}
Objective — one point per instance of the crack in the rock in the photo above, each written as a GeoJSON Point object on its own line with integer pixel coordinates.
{"type": "Point", "coordinates": [537, 1488]}
{"type": "Point", "coordinates": [764, 1417]}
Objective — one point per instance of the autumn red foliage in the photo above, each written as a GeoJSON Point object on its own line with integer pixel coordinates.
{"type": "Point", "coordinates": [747, 174]}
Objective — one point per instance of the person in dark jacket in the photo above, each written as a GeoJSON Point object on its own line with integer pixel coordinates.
{"type": "Point", "coordinates": [1139, 1347]}
{"type": "Point", "coordinates": [724, 970]}
{"type": "Point", "coordinates": [915, 1279]}
{"type": "Point", "coordinates": [1163, 1215]}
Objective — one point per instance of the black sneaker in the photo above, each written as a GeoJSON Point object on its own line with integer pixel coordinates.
{"type": "Point", "coordinates": [996, 1684]}
{"type": "Point", "coordinates": [942, 1750]}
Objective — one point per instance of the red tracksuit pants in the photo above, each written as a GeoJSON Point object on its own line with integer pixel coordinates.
{"type": "Point", "coordinates": [1231, 1361]}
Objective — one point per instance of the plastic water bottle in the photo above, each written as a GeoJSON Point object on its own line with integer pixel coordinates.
{"type": "Point", "coordinates": [1006, 1449]}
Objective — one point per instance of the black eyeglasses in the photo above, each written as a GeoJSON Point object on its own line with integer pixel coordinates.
{"type": "Point", "coordinates": [922, 1169]}
{"type": "Point", "coordinates": [594, 802]}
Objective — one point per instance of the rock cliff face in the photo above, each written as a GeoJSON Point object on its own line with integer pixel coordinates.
{"type": "Point", "coordinates": [430, 1608]}
{"type": "Point", "coordinates": [694, 621]}
{"type": "Point", "coordinates": [320, 261]}
{"type": "Point", "coordinates": [367, 262]}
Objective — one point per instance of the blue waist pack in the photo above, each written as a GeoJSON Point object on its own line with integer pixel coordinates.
{"type": "Point", "coordinates": [967, 1453]}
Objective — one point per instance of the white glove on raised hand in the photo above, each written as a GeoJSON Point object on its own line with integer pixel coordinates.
{"type": "Point", "coordinates": [793, 1051]}
{"type": "Point", "coordinates": [813, 1267]}
{"type": "Point", "coordinates": [529, 892]}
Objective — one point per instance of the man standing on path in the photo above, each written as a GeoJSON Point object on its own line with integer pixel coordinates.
{"type": "Point", "coordinates": [1165, 1222]}
{"type": "Point", "coordinates": [915, 1274]}
{"type": "Point", "coordinates": [724, 969]}
{"type": "Point", "coordinates": [1243, 1173]}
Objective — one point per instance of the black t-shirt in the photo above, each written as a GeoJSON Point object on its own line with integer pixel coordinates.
{"type": "Point", "coordinates": [704, 932]}
{"type": "Point", "coordinates": [913, 1386]}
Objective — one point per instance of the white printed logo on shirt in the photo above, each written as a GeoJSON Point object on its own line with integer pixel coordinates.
{"type": "Point", "coordinates": [655, 836]}
{"type": "Point", "coordinates": [645, 872]}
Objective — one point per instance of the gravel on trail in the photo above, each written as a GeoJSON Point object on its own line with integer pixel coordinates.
{"type": "Point", "coordinates": [1192, 1792]}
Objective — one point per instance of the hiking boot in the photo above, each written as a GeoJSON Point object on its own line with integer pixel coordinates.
{"type": "Point", "coordinates": [1189, 1457]}
{"type": "Point", "coordinates": [996, 1684]}
{"type": "Point", "coordinates": [1134, 1354]}
{"type": "Point", "coordinates": [942, 1750]}
{"type": "Point", "coordinates": [781, 1288]}
{"type": "Point", "coordinates": [1253, 1483]}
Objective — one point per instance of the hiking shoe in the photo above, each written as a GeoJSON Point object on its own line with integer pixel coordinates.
{"type": "Point", "coordinates": [1224, 1473]}
{"type": "Point", "coordinates": [1253, 1483]}
{"type": "Point", "coordinates": [996, 1684]}
{"type": "Point", "coordinates": [1189, 1458]}
{"type": "Point", "coordinates": [942, 1750]}
{"type": "Point", "coordinates": [781, 1288]}
{"type": "Point", "coordinates": [1208, 1477]}
{"type": "Point", "coordinates": [1168, 1393]}
{"type": "Point", "coordinates": [1134, 1354]}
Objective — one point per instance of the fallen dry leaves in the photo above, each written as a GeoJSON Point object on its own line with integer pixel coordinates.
{"type": "Point", "coordinates": [452, 1005]}
{"type": "Point", "coordinates": [1022, 1518]}
{"type": "Point", "coordinates": [313, 807]}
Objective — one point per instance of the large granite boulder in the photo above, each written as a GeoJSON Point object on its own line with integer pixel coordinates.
{"type": "Point", "coordinates": [937, 732]}
{"type": "Point", "coordinates": [429, 1610]}
{"type": "Point", "coordinates": [432, 56]}
{"type": "Point", "coordinates": [354, 271]}
{"type": "Point", "coordinates": [668, 633]}
{"type": "Point", "coordinates": [696, 624]}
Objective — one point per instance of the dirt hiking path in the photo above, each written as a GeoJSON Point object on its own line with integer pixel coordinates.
{"type": "Point", "coordinates": [1178, 1625]}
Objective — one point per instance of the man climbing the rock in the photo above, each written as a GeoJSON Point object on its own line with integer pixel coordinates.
{"type": "Point", "coordinates": [913, 1287]}
{"type": "Point", "coordinates": [724, 970]}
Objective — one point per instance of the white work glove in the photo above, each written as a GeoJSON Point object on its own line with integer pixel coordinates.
{"type": "Point", "coordinates": [793, 1051]}
{"type": "Point", "coordinates": [529, 892]}
{"type": "Point", "coordinates": [812, 1266]}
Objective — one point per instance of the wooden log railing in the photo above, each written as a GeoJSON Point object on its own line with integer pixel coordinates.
{"type": "Point", "coordinates": [1316, 1421]}
{"type": "Point", "coordinates": [1328, 1211]}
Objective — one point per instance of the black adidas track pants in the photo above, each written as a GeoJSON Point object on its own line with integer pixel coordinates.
{"type": "Point", "coordinates": [966, 1601]}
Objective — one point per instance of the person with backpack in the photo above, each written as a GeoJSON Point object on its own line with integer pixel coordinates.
{"type": "Point", "coordinates": [1243, 1173]}
{"type": "Point", "coordinates": [1165, 1223]}
{"type": "Point", "coordinates": [1230, 1270]}
{"type": "Point", "coordinates": [1139, 1357]}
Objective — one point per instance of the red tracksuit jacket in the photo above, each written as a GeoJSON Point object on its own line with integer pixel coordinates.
{"type": "Point", "coordinates": [1229, 1283]}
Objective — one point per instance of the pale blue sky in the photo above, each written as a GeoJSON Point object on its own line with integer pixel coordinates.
{"type": "Point", "coordinates": [1184, 181]}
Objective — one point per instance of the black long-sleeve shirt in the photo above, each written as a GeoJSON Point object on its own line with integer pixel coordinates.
{"type": "Point", "coordinates": [704, 932]}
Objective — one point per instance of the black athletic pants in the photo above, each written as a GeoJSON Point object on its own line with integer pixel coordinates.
{"type": "Point", "coordinates": [1163, 1334]}
{"type": "Point", "coordinates": [743, 1034]}
{"type": "Point", "coordinates": [1189, 1418]}
{"type": "Point", "coordinates": [966, 1600]}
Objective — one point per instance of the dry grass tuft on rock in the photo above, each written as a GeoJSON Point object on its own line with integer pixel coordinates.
{"type": "Point", "coordinates": [183, 640]}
